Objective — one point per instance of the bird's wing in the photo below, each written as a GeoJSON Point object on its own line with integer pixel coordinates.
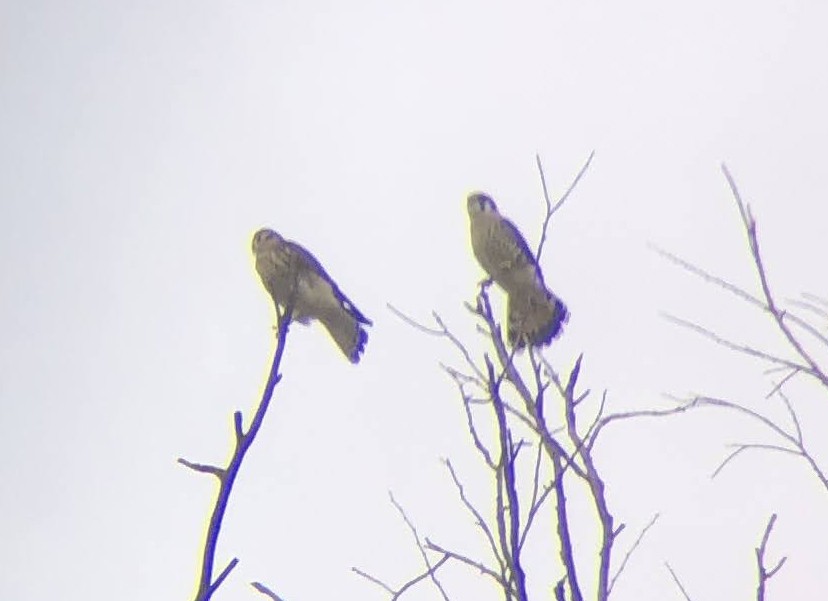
{"type": "Point", "coordinates": [524, 258]}
{"type": "Point", "coordinates": [311, 268]}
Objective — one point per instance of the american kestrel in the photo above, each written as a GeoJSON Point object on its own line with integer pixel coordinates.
{"type": "Point", "coordinates": [534, 314]}
{"type": "Point", "coordinates": [294, 277]}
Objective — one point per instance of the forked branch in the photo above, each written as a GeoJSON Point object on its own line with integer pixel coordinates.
{"type": "Point", "coordinates": [227, 476]}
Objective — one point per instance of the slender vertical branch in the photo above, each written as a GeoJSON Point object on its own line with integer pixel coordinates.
{"type": "Point", "coordinates": [564, 538]}
{"type": "Point", "coordinates": [507, 467]}
{"type": "Point", "coordinates": [227, 476]}
{"type": "Point", "coordinates": [592, 477]}
{"type": "Point", "coordinates": [765, 574]}
{"type": "Point", "coordinates": [550, 208]}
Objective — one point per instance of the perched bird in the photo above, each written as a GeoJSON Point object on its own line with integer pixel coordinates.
{"type": "Point", "coordinates": [534, 314]}
{"type": "Point", "coordinates": [294, 278]}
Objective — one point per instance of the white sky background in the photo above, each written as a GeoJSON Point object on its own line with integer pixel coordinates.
{"type": "Point", "coordinates": [141, 146]}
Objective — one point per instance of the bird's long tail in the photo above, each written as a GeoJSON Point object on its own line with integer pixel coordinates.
{"type": "Point", "coordinates": [347, 331]}
{"type": "Point", "coordinates": [535, 319]}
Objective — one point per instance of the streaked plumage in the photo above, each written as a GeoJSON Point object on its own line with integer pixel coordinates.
{"type": "Point", "coordinates": [534, 314]}
{"type": "Point", "coordinates": [293, 276]}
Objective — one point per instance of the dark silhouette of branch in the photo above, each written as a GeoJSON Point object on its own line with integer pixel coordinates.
{"type": "Point", "coordinates": [227, 476]}
{"type": "Point", "coordinates": [592, 477]}
{"type": "Point", "coordinates": [564, 536]}
{"type": "Point", "coordinates": [766, 574]}
{"type": "Point", "coordinates": [203, 468]}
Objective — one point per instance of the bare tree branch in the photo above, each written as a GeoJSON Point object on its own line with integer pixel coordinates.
{"type": "Point", "coordinates": [740, 448]}
{"type": "Point", "coordinates": [653, 413]}
{"type": "Point", "coordinates": [778, 314]}
{"type": "Point", "coordinates": [203, 468]}
{"type": "Point", "coordinates": [379, 582]}
{"type": "Point", "coordinates": [795, 440]}
{"type": "Point", "coordinates": [739, 292]}
{"type": "Point", "coordinates": [593, 479]}
{"type": "Point", "coordinates": [478, 517]}
{"type": "Point", "coordinates": [470, 562]}
{"type": "Point", "coordinates": [397, 594]}
{"type": "Point", "coordinates": [551, 209]}
{"type": "Point", "coordinates": [265, 591]}
{"type": "Point", "coordinates": [564, 535]}
{"type": "Point", "coordinates": [507, 467]}
{"type": "Point", "coordinates": [677, 581]}
{"type": "Point", "coordinates": [737, 347]}
{"type": "Point", "coordinates": [227, 476]}
{"type": "Point", "coordinates": [765, 574]}
{"type": "Point", "coordinates": [630, 552]}
{"type": "Point", "coordinates": [423, 554]}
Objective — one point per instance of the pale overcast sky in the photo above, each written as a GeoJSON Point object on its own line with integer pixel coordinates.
{"type": "Point", "coordinates": [141, 145]}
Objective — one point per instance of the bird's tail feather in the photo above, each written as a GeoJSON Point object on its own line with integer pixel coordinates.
{"type": "Point", "coordinates": [535, 319]}
{"type": "Point", "coordinates": [347, 331]}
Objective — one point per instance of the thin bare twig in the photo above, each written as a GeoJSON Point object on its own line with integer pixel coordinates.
{"type": "Point", "coordinates": [630, 552]}
{"type": "Point", "coordinates": [778, 315]}
{"type": "Point", "coordinates": [397, 594]}
{"type": "Point", "coordinates": [441, 331]}
{"type": "Point", "coordinates": [469, 562]}
{"type": "Point", "coordinates": [379, 582]}
{"type": "Point", "coordinates": [617, 417]}
{"type": "Point", "coordinates": [551, 209]}
{"type": "Point", "coordinates": [677, 581]}
{"type": "Point", "coordinates": [747, 350]}
{"type": "Point", "coordinates": [265, 591]}
{"type": "Point", "coordinates": [793, 439]}
{"type": "Point", "coordinates": [764, 573]}
{"type": "Point", "coordinates": [778, 386]}
{"type": "Point", "coordinates": [478, 517]}
{"type": "Point", "coordinates": [414, 323]}
{"type": "Point", "coordinates": [740, 448]}
{"type": "Point", "coordinates": [204, 468]}
{"type": "Point", "coordinates": [740, 292]}
{"type": "Point", "coordinates": [809, 306]}
{"type": "Point", "coordinates": [536, 501]}
{"type": "Point", "coordinates": [420, 547]}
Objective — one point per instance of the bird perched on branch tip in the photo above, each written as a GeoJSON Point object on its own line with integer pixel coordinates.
{"type": "Point", "coordinates": [535, 315]}
{"type": "Point", "coordinates": [297, 281]}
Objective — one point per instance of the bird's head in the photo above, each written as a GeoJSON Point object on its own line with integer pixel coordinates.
{"type": "Point", "coordinates": [480, 202]}
{"type": "Point", "coordinates": [261, 236]}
